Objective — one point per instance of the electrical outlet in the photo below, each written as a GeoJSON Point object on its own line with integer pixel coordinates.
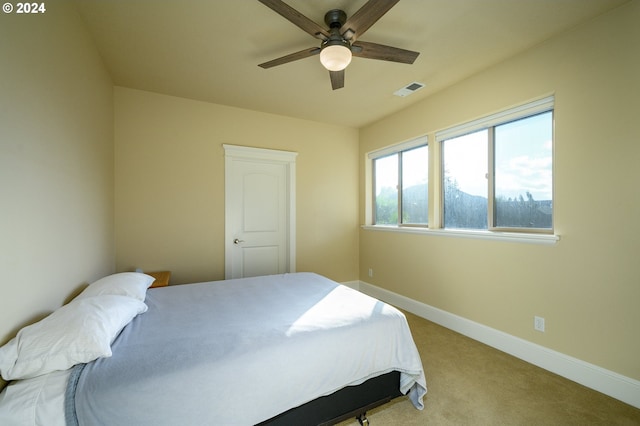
{"type": "Point", "coordinates": [538, 324]}
{"type": "Point", "coordinates": [371, 272]}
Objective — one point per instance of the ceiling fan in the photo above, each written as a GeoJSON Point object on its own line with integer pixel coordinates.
{"type": "Point", "coordinates": [340, 41]}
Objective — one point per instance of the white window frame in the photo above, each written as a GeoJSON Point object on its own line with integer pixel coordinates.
{"type": "Point", "coordinates": [435, 184]}
{"type": "Point", "coordinates": [490, 122]}
{"type": "Point", "coordinates": [395, 149]}
{"type": "Point", "coordinates": [506, 116]}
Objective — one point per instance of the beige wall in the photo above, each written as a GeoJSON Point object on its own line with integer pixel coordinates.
{"type": "Point", "coordinates": [169, 164]}
{"type": "Point", "coordinates": [587, 286]}
{"type": "Point", "coordinates": [56, 164]}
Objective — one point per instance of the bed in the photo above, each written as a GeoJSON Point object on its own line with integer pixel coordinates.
{"type": "Point", "coordinates": [282, 349]}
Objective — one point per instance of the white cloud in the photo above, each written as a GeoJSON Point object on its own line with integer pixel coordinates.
{"type": "Point", "coordinates": [525, 174]}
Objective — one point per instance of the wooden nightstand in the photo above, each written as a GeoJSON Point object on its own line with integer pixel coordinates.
{"type": "Point", "coordinates": [162, 278]}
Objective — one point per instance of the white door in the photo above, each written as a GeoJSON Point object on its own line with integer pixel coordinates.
{"type": "Point", "coordinates": [259, 212]}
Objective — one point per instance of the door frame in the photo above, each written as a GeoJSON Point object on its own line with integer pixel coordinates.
{"type": "Point", "coordinates": [244, 153]}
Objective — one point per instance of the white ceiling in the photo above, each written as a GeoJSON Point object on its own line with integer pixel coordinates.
{"type": "Point", "coordinates": [209, 50]}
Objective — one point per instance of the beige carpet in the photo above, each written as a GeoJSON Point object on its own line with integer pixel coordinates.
{"type": "Point", "coordinates": [470, 383]}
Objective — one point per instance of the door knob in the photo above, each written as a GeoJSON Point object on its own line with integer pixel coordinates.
{"type": "Point", "coordinates": [237, 241]}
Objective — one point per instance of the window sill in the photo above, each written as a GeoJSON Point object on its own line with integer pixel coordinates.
{"type": "Point", "coordinates": [546, 239]}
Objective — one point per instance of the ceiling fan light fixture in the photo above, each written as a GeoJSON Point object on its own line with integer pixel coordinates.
{"type": "Point", "coordinates": [335, 56]}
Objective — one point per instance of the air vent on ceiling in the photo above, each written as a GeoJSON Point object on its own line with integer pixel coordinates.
{"type": "Point", "coordinates": [409, 89]}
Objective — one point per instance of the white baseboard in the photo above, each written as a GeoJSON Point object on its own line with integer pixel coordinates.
{"type": "Point", "coordinates": [353, 284]}
{"type": "Point", "coordinates": [602, 380]}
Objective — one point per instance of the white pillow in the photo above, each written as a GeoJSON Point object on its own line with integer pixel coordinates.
{"type": "Point", "coordinates": [132, 284]}
{"type": "Point", "coordinates": [78, 332]}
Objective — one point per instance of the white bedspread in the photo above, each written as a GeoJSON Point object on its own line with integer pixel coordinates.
{"type": "Point", "coordinates": [242, 351]}
{"type": "Point", "coordinates": [38, 401]}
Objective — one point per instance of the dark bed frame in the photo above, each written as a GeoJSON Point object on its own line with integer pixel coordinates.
{"type": "Point", "coordinates": [348, 402]}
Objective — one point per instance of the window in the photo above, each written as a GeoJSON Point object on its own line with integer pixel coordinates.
{"type": "Point", "coordinates": [523, 177]}
{"type": "Point", "coordinates": [464, 185]}
{"type": "Point", "coordinates": [400, 188]}
{"type": "Point", "coordinates": [497, 172]}
{"type": "Point", "coordinates": [494, 178]}
{"type": "Point", "coordinates": [386, 190]}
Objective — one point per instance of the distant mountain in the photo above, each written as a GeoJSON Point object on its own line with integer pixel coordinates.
{"type": "Point", "coordinates": [416, 204]}
{"type": "Point", "coordinates": [463, 210]}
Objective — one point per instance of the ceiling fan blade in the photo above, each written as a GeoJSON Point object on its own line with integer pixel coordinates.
{"type": "Point", "coordinates": [368, 50]}
{"type": "Point", "coordinates": [365, 17]}
{"type": "Point", "coordinates": [297, 18]}
{"type": "Point", "coordinates": [291, 57]}
{"type": "Point", "coordinates": [337, 79]}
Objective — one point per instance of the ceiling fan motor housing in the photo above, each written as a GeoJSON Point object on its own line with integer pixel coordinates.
{"type": "Point", "coordinates": [335, 18]}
